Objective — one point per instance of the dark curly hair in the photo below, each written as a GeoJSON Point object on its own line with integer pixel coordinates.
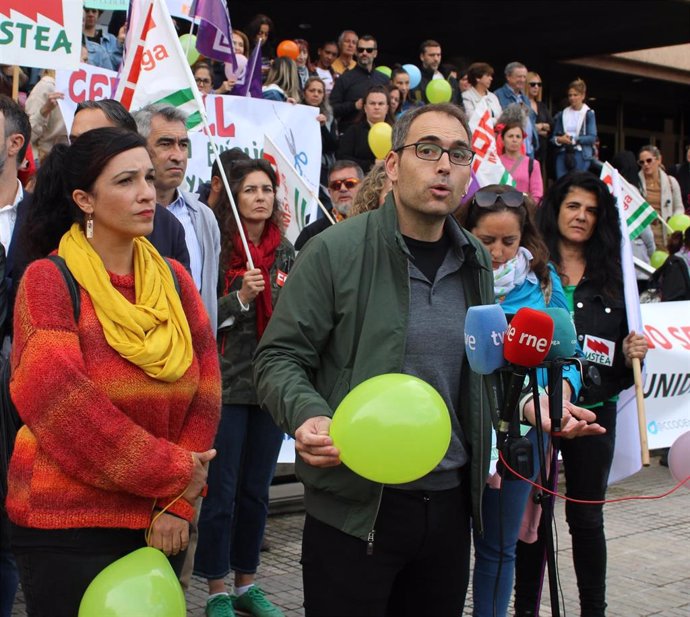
{"type": "Point", "coordinates": [602, 250]}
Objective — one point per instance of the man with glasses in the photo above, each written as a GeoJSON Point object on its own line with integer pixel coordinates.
{"type": "Point", "coordinates": [344, 179]}
{"type": "Point", "coordinates": [347, 97]}
{"type": "Point", "coordinates": [386, 292]}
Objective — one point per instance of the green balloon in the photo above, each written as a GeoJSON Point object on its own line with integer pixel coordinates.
{"type": "Point", "coordinates": [658, 258]}
{"type": "Point", "coordinates": [188, 42]}
{"type": "Point", "coordinates": [392, 428]}
{"type": "Point", "coordinates": [438, 91]}
{"type": "Point", "coordinates": [141, 584]}
{"type": "Point", "coordinates": [386, 70]}
{"type": "Point", "coordinates": [679, 222]}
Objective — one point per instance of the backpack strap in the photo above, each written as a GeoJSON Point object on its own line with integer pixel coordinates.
{"type": "Point", "coordinates": [174, 275]}
{"type": "Point", "coordinates": [71, 282]}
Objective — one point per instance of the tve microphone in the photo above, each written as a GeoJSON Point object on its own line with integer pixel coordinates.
{"type": "Point", "coordinates": [485, 327]}
{"type": "Point", "coordinates": [564, 344]}
{"type": "Point", "coordinates": [526, 343]}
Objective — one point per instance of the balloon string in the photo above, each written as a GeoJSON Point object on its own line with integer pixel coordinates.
{"type": "Point", "coordinates": [592, 502]}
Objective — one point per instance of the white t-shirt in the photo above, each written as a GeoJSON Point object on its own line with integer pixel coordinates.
{"type": "Point", "coordinates": [327, 79]}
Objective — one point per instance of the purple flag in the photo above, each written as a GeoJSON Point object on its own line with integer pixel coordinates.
{"type": "Point", "coordinates": [214, 37]}
{"type": "Point", "coordinates": [249, 84]}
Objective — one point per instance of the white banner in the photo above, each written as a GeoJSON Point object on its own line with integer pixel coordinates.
{"type": "Point", "coordinates": [179, 8]}
{"type": "Point", "coordinates": [43, 33]}
{"type": "Point", "coordinates": [487, 166]}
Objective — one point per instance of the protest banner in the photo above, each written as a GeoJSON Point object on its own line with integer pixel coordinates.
{"type": "Point", "coordinates": [666, 386]}
{"type": "Point", "coordinates": [179, 8]}
{"type": "Point", "coordinates": [42, 33]}
{"type": "Point", "coordinates": [486, 166]}
{"type": "Point", "coordinates": [107, 5]}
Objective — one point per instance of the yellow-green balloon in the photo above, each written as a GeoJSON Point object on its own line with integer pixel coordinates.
{"type": "Point", "coordinates": [380, 139]}
{"type": "Point", "coordinates": [658, 258]}
{"type": "Point", "coordinates": [188, 42]}
{"type": "Point", "coordinates": [392, 428]}
{"type": "Point", "coordinates": [679, 222]}
{"type": "Point", "coordinates": [141, 584]}
{"type": "Point", "coordinates": [438, 91]}
{"type": "Point", "coordinates": [386, 70]}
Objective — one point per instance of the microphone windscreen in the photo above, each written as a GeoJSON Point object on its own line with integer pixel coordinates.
{"type": "Point", "coordinates": [485, 328]}
{"type": "Point", "coordinates": [564, 342]}
{"type": "Point", "coordinates": [528, 338]}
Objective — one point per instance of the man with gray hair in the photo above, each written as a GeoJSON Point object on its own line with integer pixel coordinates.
{"type": "Point", "coordinates": [347, 45]}
{"type": "Point", "coordinates": [386, 292]}
{"type": "Point", "coordinates": [165, 130]}
{"type": "Point", "coordinates": [512, 93]}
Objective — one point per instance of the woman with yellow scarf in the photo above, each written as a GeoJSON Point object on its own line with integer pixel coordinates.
{"type": "Point", "coordinates": [120, 406]}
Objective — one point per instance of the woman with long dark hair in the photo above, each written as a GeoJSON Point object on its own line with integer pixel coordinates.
{"type": "Point", "coordinates": [120, 398]}
{"type": "Point", "coordinates": [233, 515]}
{"type": "Point", "coordinates": [579, 222]}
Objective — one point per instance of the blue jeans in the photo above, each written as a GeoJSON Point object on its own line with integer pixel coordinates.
{"type": "Point", "coordinates": [489, 550]}
{"type": "Point", "coordinates": [233, 514]}
{"type": "Point", "coordinates": [9, 580]}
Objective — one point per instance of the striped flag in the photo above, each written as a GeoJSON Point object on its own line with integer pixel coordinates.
{"type": "Point", "coordinates": [486, 166]}
{"type": "Point", "coordinates": [156, 69]}
{"type": "Point", "coordinates": [636, 212]}
{"type": "Point", "coordinates": [214, 37]}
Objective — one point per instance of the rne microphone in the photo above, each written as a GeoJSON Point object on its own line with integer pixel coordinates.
{"type": "Point", "coordinates": [485, 327]}
{"type": "Point", "coordinates": [526, 344]}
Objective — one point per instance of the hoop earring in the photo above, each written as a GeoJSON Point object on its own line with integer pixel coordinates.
{"type": "Point", "coordinates": [89, 225]}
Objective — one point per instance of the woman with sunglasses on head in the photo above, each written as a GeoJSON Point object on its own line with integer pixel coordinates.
{"type": "Point", "coordinates": [575, 131]}
{"type": "Point", "coordinates": [501, 218]}
{"type": "Point", "coordinates": [354, 144]}
{"type": "Point", "coordinates": [579, 222]}
{"type": "Point", "coordinates": [233, 515]}
{"type": "Point", "coordinates": [661, 191]}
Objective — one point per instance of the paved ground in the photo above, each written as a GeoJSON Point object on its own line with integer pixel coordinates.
{"type": "Point", "coordinates": [649, 556]}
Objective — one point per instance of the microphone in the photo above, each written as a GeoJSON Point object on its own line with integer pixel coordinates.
{"type": "Point", "coordinates": [563, 348]}
{"type": "Point", "coordinates": [527, 341]}
{"type": "Point", "coordinates": [485, 327]}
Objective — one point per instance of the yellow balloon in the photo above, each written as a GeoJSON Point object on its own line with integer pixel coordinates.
{"type": "Point", "coordinates": [380, 139]}
{"type": "Point", "coordinates": [392, 428]}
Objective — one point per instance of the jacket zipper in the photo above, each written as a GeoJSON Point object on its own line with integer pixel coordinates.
{"type": "Point", "coordinates": [372, 533]}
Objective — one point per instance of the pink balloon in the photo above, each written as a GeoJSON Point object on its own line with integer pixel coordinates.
{"type": "Point", "coordinates": [679, 458]}
{"type": "Point", "coordinates": [241, 67]}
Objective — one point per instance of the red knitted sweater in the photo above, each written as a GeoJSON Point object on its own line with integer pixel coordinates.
{"type": "Point", "coordinates": [102, 440]}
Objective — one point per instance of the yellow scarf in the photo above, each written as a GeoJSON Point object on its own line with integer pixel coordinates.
{"type": "Point", "coordinates": [152, 333]}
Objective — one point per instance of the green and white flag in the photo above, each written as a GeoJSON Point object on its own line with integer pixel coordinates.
{"type": "Point", "coordinates": [156, 69]}
{"type": "Point", "coordinates": [487, 166]}
{"type": "Point", "coordinates": [638, 213]}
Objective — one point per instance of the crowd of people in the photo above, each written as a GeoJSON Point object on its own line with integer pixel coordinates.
{"type": "Point", "coordinates": [154, 398]}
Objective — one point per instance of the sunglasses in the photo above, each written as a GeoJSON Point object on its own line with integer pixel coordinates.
{"type": "Point", "coordinates": [349, 183]}
{"type": "Point", "coordinates": [535, 84]}
{"type": "Point", "coordinates": [486, 198]}
{"type": "Point", "coordinates": [369, 50]}
{"type": "Point", "coordinates": [645, 162]}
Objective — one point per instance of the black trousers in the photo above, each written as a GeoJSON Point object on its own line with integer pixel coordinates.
{"type": "Point", "coordinates": [56, 566]}
{"type": "Point", "coordinates": [419, 564]}
{"type": "Point", "coordinates": [587, 463]}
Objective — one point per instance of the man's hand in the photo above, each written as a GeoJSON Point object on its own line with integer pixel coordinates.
{"type": "Point", "coordinates": [169, 533]}
{"type": "Point", "coordinates": [51, 103]}
{"type": "Point", "coordinates": [314, 445]}
{"type": "Point", "coordinates": [576, 422]}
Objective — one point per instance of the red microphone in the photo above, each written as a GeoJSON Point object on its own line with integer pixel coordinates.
{"type": "Point", "coordinates": [526, 344]}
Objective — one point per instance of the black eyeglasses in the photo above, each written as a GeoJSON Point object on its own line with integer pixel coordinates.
{"type": "Point", "coordinates": [460, 155]}
{"type": "Point", "coordinates": [642, 162]}
{"type": "Point", "coordinates": [349, 183]}
{"type": "Point", "coordinates": [369, 50]}
{"type": "Point", "coordinates": [534, 84]}
{"type": "Point", "coordinates": [202, 81]}
{"type": "Point", "coordinates": [486, 198]}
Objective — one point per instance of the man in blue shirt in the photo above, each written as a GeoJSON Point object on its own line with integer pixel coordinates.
{"type": "Point", "coordinates": [512, 92]}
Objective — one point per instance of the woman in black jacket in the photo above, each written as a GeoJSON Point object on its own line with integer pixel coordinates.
{"type": "Point", "coordinates": [579, 221]}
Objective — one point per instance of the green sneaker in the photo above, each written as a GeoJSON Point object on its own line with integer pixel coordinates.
{"type": "Point", "coordinates": [220, 606]}
{"type": "Point", "coordinates": [254, 602]}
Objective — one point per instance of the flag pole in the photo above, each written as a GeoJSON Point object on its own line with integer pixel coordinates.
{"type": "Point", "coordinates": [632, 309]}
{"type": "Point", "coordinates": [15, 83]}
{"type": "Point", "coordinates": [214, 147]}
{"type": "Point", "coordinates": [311, 191]}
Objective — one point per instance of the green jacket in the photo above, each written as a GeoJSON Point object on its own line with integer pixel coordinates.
{"type": "Point", "coordinates": [237, 339]}
{"type": "Point", "coordinates": [341, 319]}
